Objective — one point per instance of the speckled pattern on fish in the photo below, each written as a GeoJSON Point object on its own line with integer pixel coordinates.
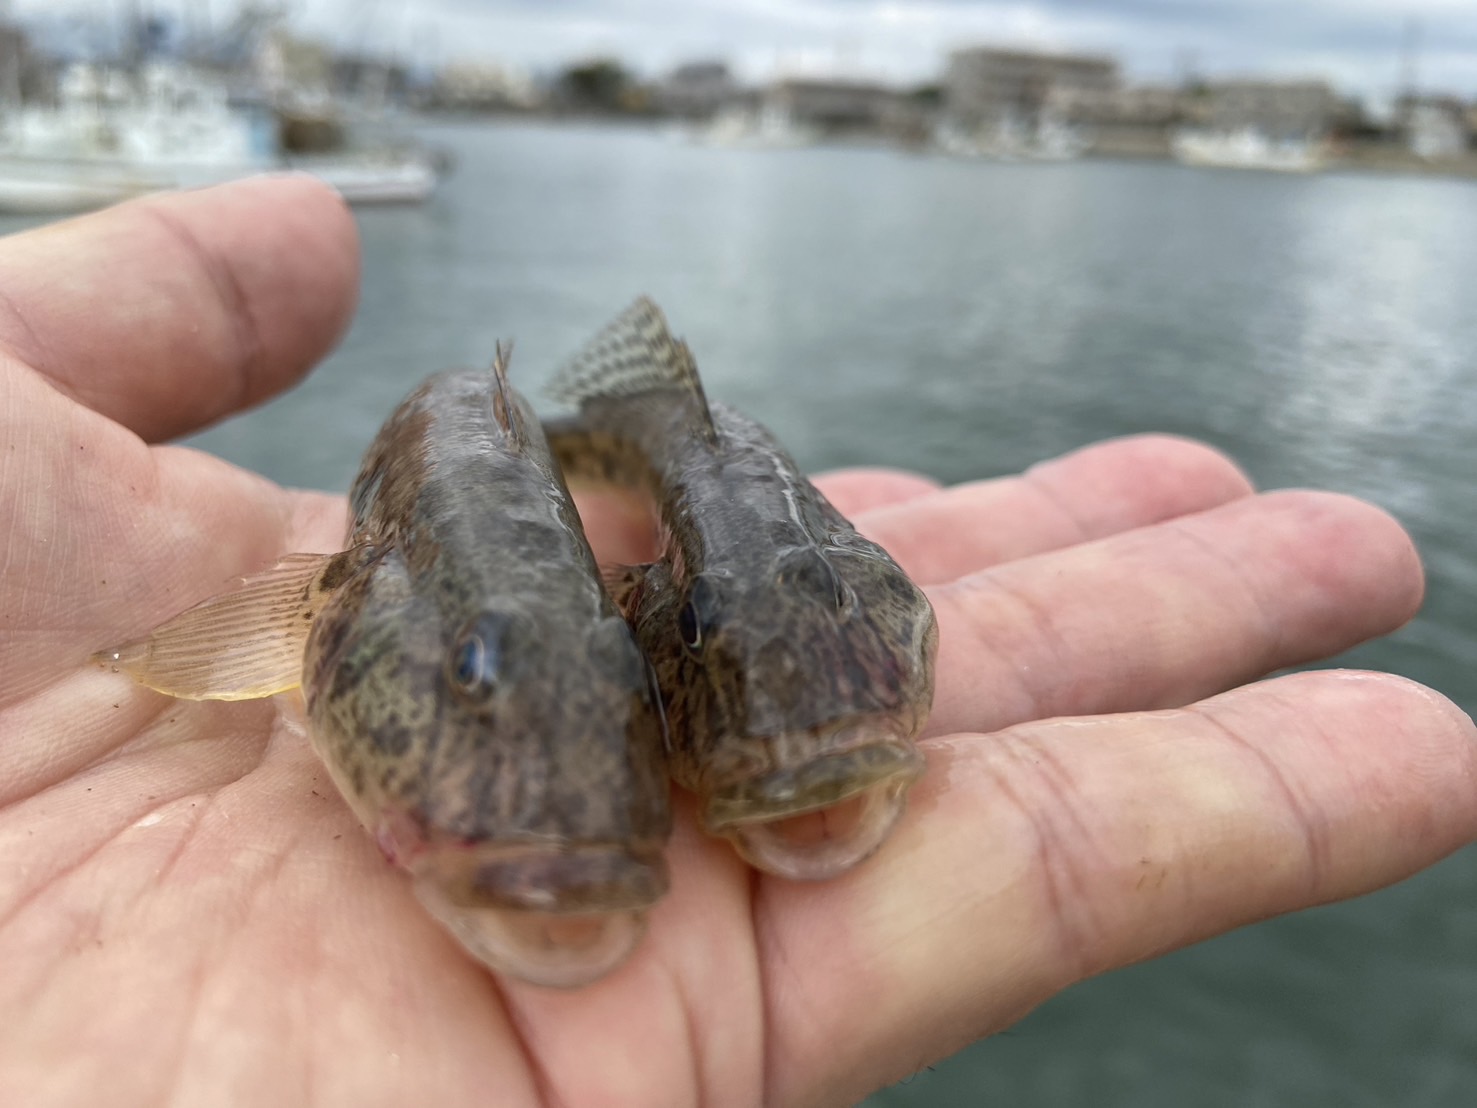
{"type": "Point", "coordinates": [795, 657]}
{"type": "Point", "coordinates": [474, 692]}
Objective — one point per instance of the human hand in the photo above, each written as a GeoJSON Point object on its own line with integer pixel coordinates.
{"type": "Point", "coordinates": [189, 914]}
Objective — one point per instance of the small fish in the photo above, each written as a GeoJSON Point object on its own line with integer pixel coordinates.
{"type": "Point", "coordinates": [795, 657]}
{"type": "Point", "coordinates": [472, 689]}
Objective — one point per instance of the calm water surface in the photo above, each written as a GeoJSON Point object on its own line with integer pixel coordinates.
{"type": "Point", "coordinates": [970, 319]}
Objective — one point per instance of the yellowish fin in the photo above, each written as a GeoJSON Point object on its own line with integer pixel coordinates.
{"type": "Point", "coordinates": [240, 645]}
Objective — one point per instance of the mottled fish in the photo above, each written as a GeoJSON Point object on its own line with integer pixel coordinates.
{"type": "Point", "coordinates": [795, 657]}
{"type": "Point", "coordinates": [472, 689]}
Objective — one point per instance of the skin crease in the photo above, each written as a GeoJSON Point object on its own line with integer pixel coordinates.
{"type": "Point", "coordinates": [189, 915]}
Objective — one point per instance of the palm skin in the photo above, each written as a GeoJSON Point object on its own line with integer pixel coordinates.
{"type": "Point", "coordinates": [190, 915]}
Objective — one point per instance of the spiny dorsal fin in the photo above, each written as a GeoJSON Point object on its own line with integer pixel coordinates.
{"type": "Point", "coordinates": [624, 584]}
{"type": "Point", "coordinates": [506, 411]}
{"type": "Point", "coordinates": [240, 645]}
{"type": "Point", "coordinates": [632, 355]}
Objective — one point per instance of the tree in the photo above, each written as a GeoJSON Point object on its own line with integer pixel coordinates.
{"type": "Point", "coordinates": [599, 84]}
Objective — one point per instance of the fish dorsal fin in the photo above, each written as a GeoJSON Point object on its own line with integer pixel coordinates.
{"type": "Point", "coordinates": [242, 644]}
{"type": "Point", "coordinates": [624, 584]}
{"type": "Point", "coordinates": [506, 411]}
{"type": "Point", "coordinates": [632, 355]}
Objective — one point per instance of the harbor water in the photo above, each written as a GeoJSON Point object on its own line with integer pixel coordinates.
{"type": "Point", "coordinates": [968, 319]}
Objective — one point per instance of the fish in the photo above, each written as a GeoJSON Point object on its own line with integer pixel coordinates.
{"type": "Point", "coordinates": [795, 657]}
{"type": "Point", "coordinates": [472, 689]}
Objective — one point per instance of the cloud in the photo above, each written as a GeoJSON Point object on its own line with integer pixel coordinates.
{"type": "Point", "coordinates": [1355, 42]}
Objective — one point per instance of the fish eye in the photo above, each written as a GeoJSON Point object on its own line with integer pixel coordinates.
{"type": "Point", "coordinates": [473, 664]}
{"type": "Point", "coordinates": [471, 657]}
{"type": "Point", "coordinates": [690, 627]}
{"type": "Point", "coordinates": [698, 617]}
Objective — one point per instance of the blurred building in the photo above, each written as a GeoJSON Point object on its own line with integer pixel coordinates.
{"type": "Point", "coordinates": [481, 86]}
{"type": "Point", "coordinates": [25, 75]}
{"type": "Point", "coordinates": [1128, 121]}
{"type": "Point", "coordinates": [833, 106]}
{"type": "Point", "coordinates": [371, 80]}
{"type": "Point", "coordinates": [696, 90]}
{"type": "Point", "coordinates": [289, 67]}
{"type": "Point", "coordinates": [985, 87]}
{"type": "Point", "coordinates": [1277, 109]}
{"type": "Point", "coordinates": [1133, 105]}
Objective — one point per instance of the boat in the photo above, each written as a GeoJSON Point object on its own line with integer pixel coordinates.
{"type": "Point", "coordinates": [1012, 139]}
{"type": "Point", "coordinates": [113, 135]}
{"type": "Point", "coordinates": [1247, 148]}
{"type": "Point", "coordinates": [770, 127]}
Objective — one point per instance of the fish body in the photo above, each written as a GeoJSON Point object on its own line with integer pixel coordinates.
{"type": "Point", "coordinates": [795, 657]}
{"type": "Point", "coordinates": [473, 691]}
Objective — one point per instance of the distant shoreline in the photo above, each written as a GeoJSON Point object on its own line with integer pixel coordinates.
{"type": "Point", "coordinates": [1130, 145]}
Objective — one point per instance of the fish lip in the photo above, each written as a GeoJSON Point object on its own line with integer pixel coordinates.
{"type": "Point", "coordinates": [560, 879]}
{"type": "Point", "coordinates": [861, 757]}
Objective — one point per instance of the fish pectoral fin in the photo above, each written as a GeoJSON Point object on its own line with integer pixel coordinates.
{"type": "Point", "coordinates": [624, 584]}
{"type": "Point", "coordinates": [242, 644]}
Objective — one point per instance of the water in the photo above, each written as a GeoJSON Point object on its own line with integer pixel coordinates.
{"type": "Point", "coordinates": [970, 319]}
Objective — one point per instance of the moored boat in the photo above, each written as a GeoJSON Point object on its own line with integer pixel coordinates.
{"type": "Point", "coordinates": [114, 135]}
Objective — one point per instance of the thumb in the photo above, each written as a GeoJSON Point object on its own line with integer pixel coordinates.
{"type": "Point", "coordinates": [170, 312]}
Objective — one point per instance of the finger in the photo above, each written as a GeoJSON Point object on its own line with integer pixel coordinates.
{"type": "Point", "coordinates": [1099, 490]}
{"type": "Point", "coordinates": [1164, 615]}
{"type": "Point", "coordinates": [869, 489]}
{"type": "Point", "coordinates": [169, 312]}
{"type": "Point", "coordinates": [1056, 850]}
{"type": "Point", "coordinates": [937, 534]}
{"type": "Point", "coordinates": [102, 538]}
{"type": "Point", "coordinates": [102, 542]}
{"type": "Point", "coordinates": [620, 525]}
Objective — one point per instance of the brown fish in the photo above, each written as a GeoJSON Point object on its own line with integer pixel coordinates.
{"type": "Point", "coordinates": [472, 689]}
{"type": "Point", "coordinates": [794, 656]}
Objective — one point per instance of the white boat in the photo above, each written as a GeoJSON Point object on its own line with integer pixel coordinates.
{"type": "Point", "coordinates": [1057, 141]}
{"type": "Point", "coordinates": [1011, 139]}
{"type": "Point", "coordinates": [387, 179]}
{"type": "Point", "coordinates": [112, 136]}
{"type": "Point", "coordinates": [772, 127]}
{"type": "Point", "coordinates": [1247, 148]}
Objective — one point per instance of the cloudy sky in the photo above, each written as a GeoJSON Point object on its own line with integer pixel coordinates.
{"type": "Point", "coordinates": [1357, 44]}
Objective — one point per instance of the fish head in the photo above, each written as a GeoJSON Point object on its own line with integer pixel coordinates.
{"type": "Point", "coordinates": [514, 765]}
{"type": "Point", "coordinates": [795, 696]}
{"type": "Point", "coordinates": [550, 873]}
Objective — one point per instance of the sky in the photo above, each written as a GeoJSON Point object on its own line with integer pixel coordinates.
{"type": "Point", "coordinates": [1354, 44]}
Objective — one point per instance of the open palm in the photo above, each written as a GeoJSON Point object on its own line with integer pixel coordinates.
{"type": "Point", "coordinates": [190, 915]}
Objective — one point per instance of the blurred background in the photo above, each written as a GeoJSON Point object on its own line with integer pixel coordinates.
{"type": "Point", "coordinates": [954, 235]}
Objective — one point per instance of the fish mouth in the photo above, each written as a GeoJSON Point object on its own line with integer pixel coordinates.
{"type": "Point", "coordinates": [812, 821]}
{"type": "Point", "coordinates": [553, 916]}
